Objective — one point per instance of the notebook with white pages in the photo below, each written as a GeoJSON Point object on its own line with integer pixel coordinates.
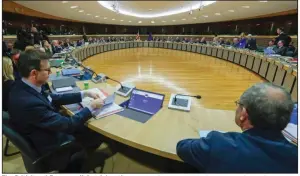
{"type": "Point", "coordinates": [109, 106]}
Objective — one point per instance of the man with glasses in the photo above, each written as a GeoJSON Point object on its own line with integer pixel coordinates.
{"type": "Point", "coordinates": [33, 113]}
{"type": "Point", "coordinates": [263, 111]}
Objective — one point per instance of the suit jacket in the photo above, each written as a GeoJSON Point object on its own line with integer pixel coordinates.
{"type": "Point", "coordinates": [251, 44]}
{"type": "Point", "coordinates": [281, 51]}
{"type": "Point", "coordinates": [283, 36]}
{"type": "Point", "coordinates": [253, 151]}
{"type": "Point", "coordinates": [35, 118]}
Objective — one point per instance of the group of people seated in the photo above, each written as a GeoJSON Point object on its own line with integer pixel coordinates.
{"type": "Point", "coordinates": [263, 111]}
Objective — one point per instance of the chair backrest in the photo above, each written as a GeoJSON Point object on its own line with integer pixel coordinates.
{"type": "Point", "coordinates": [20, 142]}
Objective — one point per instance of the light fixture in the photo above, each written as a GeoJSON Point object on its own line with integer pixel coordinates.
{"type": "Point", "coordinates": [230, 10]}
{"type": "Point", "coordinates": [73, 7]}
{"type": "Point", "coordinates": [246, 7]}
{"type": "Point", "coordinates": [121, 20]}
{"type": "Point", "coordinates": [105, 18]}
{"type": "Point", "coordinates": [81, 11]}
{"type": "Point", "coordinates": [217, 14]}
{"type": "Point", "coordinates": [150, 9]}
{"type": "Point", "coordinates": [64, 2]}
{"type": "Point", "coordinates": [263, 1]}
{"type": "Point", "coordinates": [140, 22]}
{"type": "Point", "coordinates": [96, 16]}
{"type": "Point", "coordinates": [173, 20]}
{"type": "Point", "coordinates": [88, 14]}
{"type": "Point", "coordinates": [129, 21]}
{"type": "Point", "coordinates": [205, 16]}
{"type": "Point", "coordinates": [163, 21]}
{"type": "Point", "coordinates": [113, 19]}
{"type": "Point", "coordinates": [195, 6]}
{"type": "Point", "coordinates": [194, 18]}
{"type": "Point", "coordinates": [152, 22]}
{"type": "Point", "coordinates": [183, 19]}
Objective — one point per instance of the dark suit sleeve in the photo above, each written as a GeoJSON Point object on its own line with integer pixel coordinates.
{"type": "Point", "coordinates": [195, 152]}
{"type": "Point", "coordinates": [64, 99]}
{"type": "Point", "coordinates": [50, 120]}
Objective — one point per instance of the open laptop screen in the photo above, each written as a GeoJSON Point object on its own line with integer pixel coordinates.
{"type": "Point", "coordinates": [144, 101]}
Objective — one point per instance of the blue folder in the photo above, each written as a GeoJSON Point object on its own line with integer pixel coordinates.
{"type": "Point", "coordinates": [70, 72]}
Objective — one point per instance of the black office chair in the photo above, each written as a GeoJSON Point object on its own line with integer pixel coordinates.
{"type": "Point", "coordinates": [32, 161]}
{"type": "Point", "coordinates": [5, 118]}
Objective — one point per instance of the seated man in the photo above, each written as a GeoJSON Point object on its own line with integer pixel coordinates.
{"type": "Point", "coordinates": [235, 42]}
{"type": "Point", "coordinates": [251, 43]}
{"type": "Point", "coordinates": [33, 113]}
{"type": "Point", "coordinates": [271, 45]}
{"type": "Point", "coordinates": [280, 48]}
{"type": "Point", "coordinates": [263, 111]}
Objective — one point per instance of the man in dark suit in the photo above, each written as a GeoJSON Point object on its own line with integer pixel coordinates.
{"type": "Point", "coordinates": [263, 111]}
{"type": "Point", "coordinates": [251, 43]}
{"type": "Point", "coordinates": [280, 48]}
{"type": "Point", "coordinates": [282, 36]}
{"type": "Point", "coordinates": [34, 115]}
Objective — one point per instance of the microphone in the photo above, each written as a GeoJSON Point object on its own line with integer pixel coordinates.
{"type": "Point", "coordinates": [115, 81]}
{"type": "Point", "coordinates": [124, 90]}
{"type": "Point", "coordinates": [195, 96]}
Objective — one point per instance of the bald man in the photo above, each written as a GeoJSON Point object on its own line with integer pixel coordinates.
{"type": "Point", "coordinates": [263, 111]}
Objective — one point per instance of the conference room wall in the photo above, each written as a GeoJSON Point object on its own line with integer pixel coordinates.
{"type": "Point", "coordinates": [259, 26]}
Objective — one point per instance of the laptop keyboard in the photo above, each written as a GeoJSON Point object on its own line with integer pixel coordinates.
{"type": "Point", "coordinates": [180, 102]}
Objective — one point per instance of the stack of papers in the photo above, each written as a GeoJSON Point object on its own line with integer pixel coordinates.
{"type": "Point", "coordinates": [109, 106]}
{"type": "Point", "coordinates": [290, 133]}
{"type": "Point", "coordinates": [64, 89]}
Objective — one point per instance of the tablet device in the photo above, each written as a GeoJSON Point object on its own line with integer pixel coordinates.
{"type": "Point", "coordinates": [145, 101]}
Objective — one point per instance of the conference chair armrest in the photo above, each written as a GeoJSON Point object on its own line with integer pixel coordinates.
{"type": "Point", "coordinates": [63, 147]}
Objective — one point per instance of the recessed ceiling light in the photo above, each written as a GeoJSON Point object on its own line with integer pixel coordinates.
{"type": "Point", "coordinates": [230, 10]}
{"type": "Point", "coordinates": [113, 19]}
{"type": "Point", "coordinates": [81, 11]}
{"type": "Point", "coordinates": [217, 14]}
{"type": "Point", "coordinates": [88, 14]}
{"type": "Point", "coordinates": [263, 1]}
{"type": "Point", "coordinates": [129, 21]}
{"type": "Point", "coordinates": [183, 19]}
{"type": "Point", "coordinates": [246, 7]}
{"type": "Point", "coordinates": [194, 18]}
{"type": "Point", "coordinates": [152, 22]}
{"type": "Point", "coordinates": [105, 18]}
{"type": "Point", "coordinates": [64, 2]}
{"type": "Point", "coordinates": [163, 21]}
{"type": "Point", "coordinates": [121, 20]}
{"type": "Point", "coordinates": [73, 7]}
{"type": "Point", "coordinates": [205, 16]}
{"type": "Point", "coordinates": [97, 16]}
{"type": "Point", "coordinates": [173, 20]}
{"type": "Point", "coordinates": [140, 22]}
{"type": "Point", "coordinates": [150, 9]}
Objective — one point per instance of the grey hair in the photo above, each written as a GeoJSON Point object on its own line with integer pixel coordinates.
{"type": "Point", "coordinates": [267, 110]}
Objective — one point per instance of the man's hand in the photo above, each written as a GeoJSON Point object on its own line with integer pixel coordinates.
{"type": "Point", "coordinates": [97, 103]}
{"type": "Point", "coordinates": [91, 94]}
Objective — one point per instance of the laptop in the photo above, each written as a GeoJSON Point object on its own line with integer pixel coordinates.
{"type": "Point", "coordinates": [142, 105]}
{"type": "Point", "coordinates": [145, 101]}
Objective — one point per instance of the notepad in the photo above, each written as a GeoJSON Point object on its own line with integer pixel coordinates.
{"type": "Point", "coordinates": [64, 89]}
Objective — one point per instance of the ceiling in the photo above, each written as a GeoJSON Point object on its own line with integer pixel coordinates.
{"type": "Point", "coordinates": [158, 13]}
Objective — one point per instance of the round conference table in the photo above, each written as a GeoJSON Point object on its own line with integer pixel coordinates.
{"type": "Point", "coordinates": [161, 133]}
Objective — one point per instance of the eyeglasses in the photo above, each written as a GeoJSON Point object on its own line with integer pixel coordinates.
{"type": "Point", "coordinates": [237, 102]}
{"type": "Point", "coordinates": [46, 69]}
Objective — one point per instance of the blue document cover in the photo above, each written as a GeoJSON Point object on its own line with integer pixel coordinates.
{"type": "Point", "coordinates": [69, 72]}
